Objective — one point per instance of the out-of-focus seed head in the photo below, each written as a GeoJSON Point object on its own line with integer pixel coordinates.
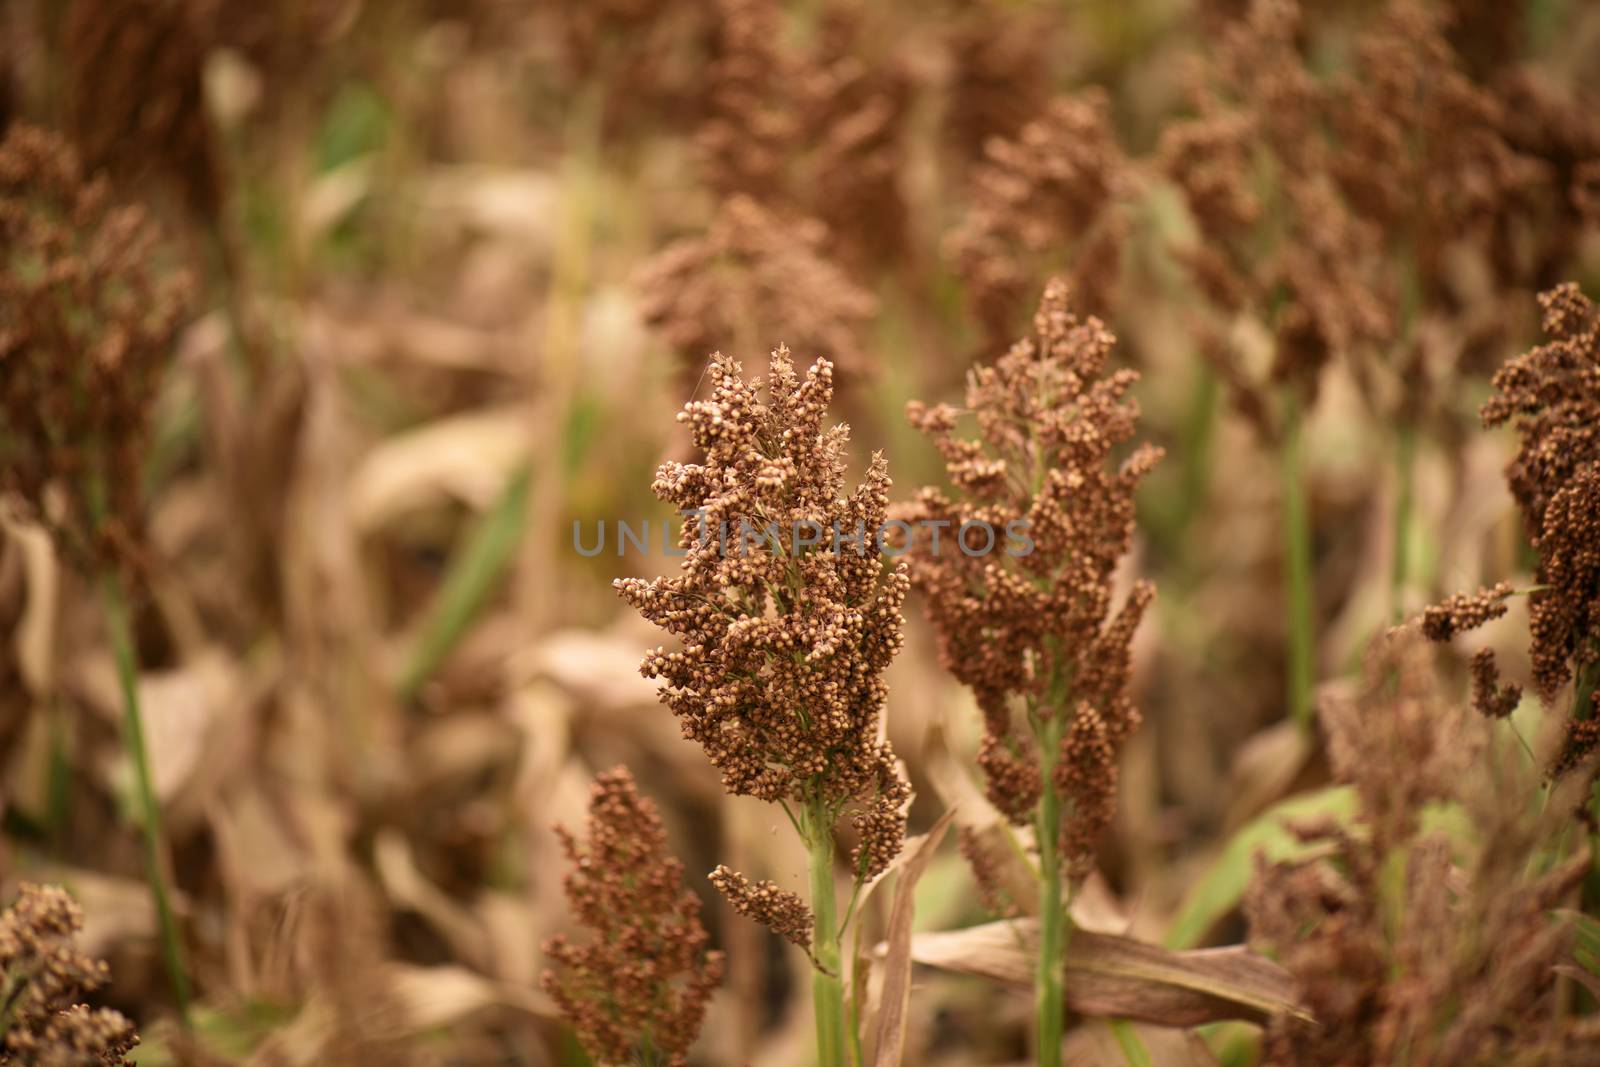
{"type": "Point", "coordinates": [643, 977]}
{"type": "Point", "coordinates": [1275, 236]}
{"type": "Point", "coordinates": [753, 274]}
{"type": "Point", "coordinates": [137, 102]}
{"type": "Point", "coordinates": [87, 327]}
{"type": "Point", "coordinates": [1050, 192]}
{"type": "Point", "coordinates": [1408, 942]}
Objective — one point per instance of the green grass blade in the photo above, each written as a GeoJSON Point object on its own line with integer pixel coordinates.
{"type": "Point", "coordinates": [474, 572]}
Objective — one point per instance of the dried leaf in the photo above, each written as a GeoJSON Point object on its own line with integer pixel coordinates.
{"type": "Point", "coordinates": [438, 996]}
{"type": "Point", "coordinates": [408, 887]}
{"type": "Point", "coordinates": [1121, 977]}
{"type": "Point", "coordinates": [1265, 770]}
{"type": "Point", "coordinates": [469, 457]}
{"type": "Point", "coordinates": [896, 998]}
{"type": "Point", "coordinates": [35, 632]}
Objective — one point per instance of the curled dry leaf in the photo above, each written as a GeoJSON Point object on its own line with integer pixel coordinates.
{"type": "Point", "coordinates": [467, 457]}
{"type": "Point", "coordinates": [408, 887]}
{"type": "Point", "coordinates": [35, 632]}
{"type": "Point", "coordinates": [1122, 978]}
{"type": "Point", "coordinates": [433, 997]}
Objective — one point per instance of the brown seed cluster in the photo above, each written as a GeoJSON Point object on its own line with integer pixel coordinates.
{"type": "Point", "coordinates": [810, 133]}
{"type": "Point", "coordinates": [999, 74]}
{"type": "Point", "coordinates": [643, 978]}
{"type": "Point", "coordinates": [779, 910]}
{"type": "Point", "coordinates": [137, 103]}
{"type": "Point", "coordinates": [985, 867]}
{"type": "Point", "coordinates": [87, 322]}
{"type": "Point", "coordinates": [1488, 695]}
{"type": "Point", "coordinates": [1039, 628]}
{"type": "Point", "coordinates": [42, 976]}
{"type": "Point", "coordinates": [1275, 236]}
{"type": "Point", "coordinates": [779, 675]}
{"type": "Point", "coordinates": [1551, 395]}
{"type": "Point", "coordinates": [1409, 946]}
{"type": "Point", "coordinates": [1044, 201]}
{"type": "Point", "coordinates": [754, 274]}
{"type": "Point", "coordinates": [1464, 611]}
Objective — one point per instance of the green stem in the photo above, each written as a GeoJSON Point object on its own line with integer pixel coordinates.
{"type": "Point", "coordinates": [827, 987]}
{"type": "Point", "coordinates": [149, 811]}
{"type": "Point", "coordinates": [1134, 1052]}
{"type": "Point", "coordinates": [1297, 556]}
{"type": "Point", "coordinates": [1405, 472]}
{"type": "Point", "coordinates": [1049, 983]}
{"type": "Point", "coordinates": [1584, 688]}
{"type": "Point", "coordinates": [475, 572]}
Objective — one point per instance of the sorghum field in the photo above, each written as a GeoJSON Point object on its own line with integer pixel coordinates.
{"type": "Point", "coordinates": [799, 533]}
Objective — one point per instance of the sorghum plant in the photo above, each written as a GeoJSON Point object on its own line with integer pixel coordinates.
{"type": "Point", "coordinates": [1413, 943]}
{"type": "Point", "coordinates": [779, 676]}
{"type": "Point", "coordinates": [1551, 395]}
{"type": "Point", "coordinates": [87, 327]}
{"type": "Point", "coordinates": [637, 991]}
{"type": "Point", "coordinates": [1036, 633]}
{"type": "Point", "coordinates": [135, 96]}
{"type": "Point", "coordinates": [750, 273]}
{"type": "Point", "coordinates": [998, 59]}
{"type": "Point", "coordinates": [42, 975]}
{"type": "Point", "coordinates": [1422, 154]}
{"type": "Point", "coordinates": [1277, 243]}
{"type": "Point", "coordinates": [1048, 197]}
{"type": "Point", "coordinates": [810, 132]}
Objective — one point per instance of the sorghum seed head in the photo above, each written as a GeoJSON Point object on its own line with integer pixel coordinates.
{"type": "Point", "coordinates": [644, 976]}
{"type": "Point", "coordinates": [43, 976]}
{"type": "Point", "coordinates": [1038, 625]}
{"type": "Point", "coordinates": [86, 329]}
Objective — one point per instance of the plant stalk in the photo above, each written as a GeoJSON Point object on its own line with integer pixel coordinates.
{"type": "Point", "coordinates": [827, 985]}
{"type": "Point", "coordinates": [1297, 558]}
{"type": "Point", "coordinates": [118, 620]}
{"type": "Point", "coordinates": [1585, 686]}
{"type": "Point", "coordinates": [1405, 474]}
{"type": "Point", "coordinates": [1050, 976]}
